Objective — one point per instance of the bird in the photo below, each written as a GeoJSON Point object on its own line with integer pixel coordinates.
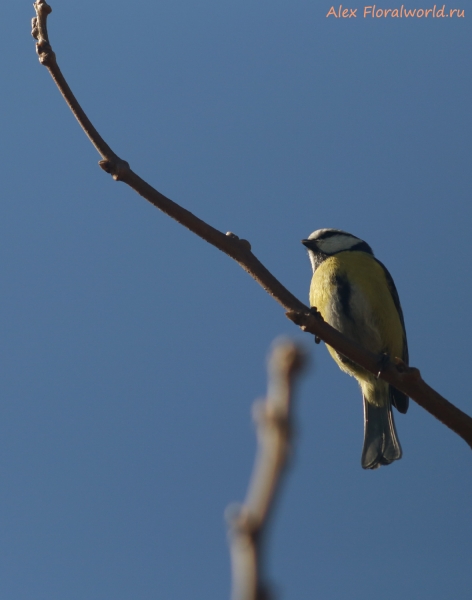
{"type": "Point", "coordinates": [354, 293]}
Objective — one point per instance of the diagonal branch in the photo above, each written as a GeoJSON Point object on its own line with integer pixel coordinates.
{"type": "Point", "coordinates": [404, 378]}
{"type": "Point", "coordinates": [247, 522]}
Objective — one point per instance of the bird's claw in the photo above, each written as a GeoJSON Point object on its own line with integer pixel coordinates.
{"type": "Point", "coordinates": [383, 362]}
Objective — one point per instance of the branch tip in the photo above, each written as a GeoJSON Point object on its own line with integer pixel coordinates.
{"type": "Point", "coordinates": [42, 8]}
{"type": "Point", "coordinates": [40, 33]}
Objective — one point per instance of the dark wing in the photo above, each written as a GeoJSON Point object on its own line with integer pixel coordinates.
{"type": "Point", "coordinates": [398, 399]}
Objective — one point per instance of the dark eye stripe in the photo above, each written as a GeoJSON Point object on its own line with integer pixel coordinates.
{"type": "Point", "coordinates": [330, 232]}
{"type": "Point", "coordinates": [363, 247]}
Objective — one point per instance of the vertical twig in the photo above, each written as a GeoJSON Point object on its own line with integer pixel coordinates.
{"type": "Point", "coordinates": [247, 522]}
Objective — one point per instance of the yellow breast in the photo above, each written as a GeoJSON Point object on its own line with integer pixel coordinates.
{"type": "Point", "coordinates": [352, 293]}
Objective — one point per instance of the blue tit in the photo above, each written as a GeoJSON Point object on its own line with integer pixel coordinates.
{"type": "Point", "coordinates": [355, 294]}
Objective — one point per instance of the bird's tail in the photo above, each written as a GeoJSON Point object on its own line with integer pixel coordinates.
{"type": "Point", "coordinates": [381, 445]}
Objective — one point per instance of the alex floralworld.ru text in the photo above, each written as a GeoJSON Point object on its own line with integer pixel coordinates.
{"type": "Point", "coordinates": [398, 13]}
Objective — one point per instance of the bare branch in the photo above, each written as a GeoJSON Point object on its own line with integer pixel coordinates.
{"type": "Point", "coordinates": [239, 250]}
{"type": "Point", "coordinates": [407, 380]}
{"type": "Point", "coordinates": [48, 58]}
{"type": "Point", "coordinates": [247, 522]}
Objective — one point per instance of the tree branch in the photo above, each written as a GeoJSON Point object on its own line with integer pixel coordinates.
{"type": "Point", "coordinates": [247, 522]}
{"type": "Point", "coordinates": [407, 380]}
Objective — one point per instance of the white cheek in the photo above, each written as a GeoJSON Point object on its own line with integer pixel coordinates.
{"type": "Point", "coordinates": [312, 260]}
{"type": "Point", "coordinates": [337, 243]}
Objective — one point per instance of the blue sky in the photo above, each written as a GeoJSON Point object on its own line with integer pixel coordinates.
{"type": "Point", "coordinates": [131, 351]}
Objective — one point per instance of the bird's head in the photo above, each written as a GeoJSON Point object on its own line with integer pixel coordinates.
{"type": "Point", "coordinates": [326, 242]}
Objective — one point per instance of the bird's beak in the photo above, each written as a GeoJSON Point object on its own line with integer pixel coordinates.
{"type": "Point", "coordinates": [309, 243]}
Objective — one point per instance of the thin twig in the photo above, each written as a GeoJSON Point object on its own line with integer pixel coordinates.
{"type": "Point", "coordinates": [248, 522]}
{"type": "Point", "coordinates": [407, 380]}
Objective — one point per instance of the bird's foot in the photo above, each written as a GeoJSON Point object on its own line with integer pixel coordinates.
{"type": "Point", "coordinates": [382, 364]}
